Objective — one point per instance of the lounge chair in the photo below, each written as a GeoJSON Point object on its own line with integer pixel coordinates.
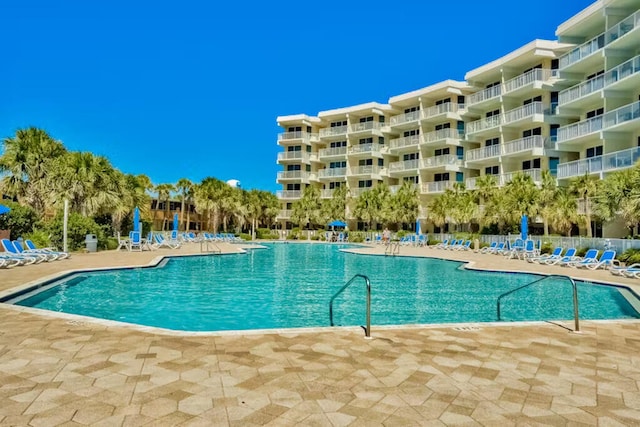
{"type": "Point", "coordinates": [162, 242]}
{"type": "Point", "coordinates": [60, 254]}
{"type": "Point", "coordinates": [13, 253]}
{"type": "Point", "coordinates": [590, 257]}
{"type": "Point", "coordinates": [489, 248]}
{"type": "Point", "coordinates": [607, 260]}
{"type": "Point", "coordinates": [440, 245]}
{"type": "Point", "coordinates": [498, 250]}
{"type": "Point", "coordinates": [530, 250]}
{"type": "Point", "coordinates": [628, 271]}
{"type": "Point", "coordinates": [569, 256]}
{"type": "Point", "coordinates": [135, 241]}
{"type": "Point", "coordinates": [8, 261]}
{"type": "Point", "coordinates": [465, 246]}
{"type": "Point", "coordinates": [46, 256]}
{"type": "Point", "coordinates": [122, 243]}
{"type": "Point", "coordinates": [556, 254]}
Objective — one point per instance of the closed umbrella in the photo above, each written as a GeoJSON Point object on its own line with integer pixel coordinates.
{"type": "Point", "coordinates": [524, 227]}
{"type": "Point", "coordinates": [418, 229]}
{"type": "Point", "coordinates": [4, 209]}
{"type": "Point", "coordinates": [175, 222]}
{"type": "Point", "coordinates": [136, 219]}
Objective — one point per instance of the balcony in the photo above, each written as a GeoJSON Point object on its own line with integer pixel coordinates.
{"type": "Point", "coordinates": [357, 192]}
{"type": "Point", "coordinates": [294, 176]}
{"type": "Point", "coordinates": [530, 112]}
{"type": "Point", "coordinates": [365, 127]}
{"type": "Point", "coordinates": [504, 179]}
{"type": "Point", "coordinates": [482, 125]}
{"type": "Point", "coordinates": [610, 162]}
{"type": "Point", "coordinates": [289, 194]}
{"type": "Point", "coordinates": [578, 131]}
{"type": "Point", "coordinates": [287, 138]}
{"type": "Point", "coordinates": [293, 157]}
{"type": "Point", "coordinates": [616, 79]}
{"type": "Point", "coordinates": [368, 170]}
{"type": "Point", "coordinates": [394, 188]}
{"type": "Point", "coordinates": [531, 145]}
{"type": "Point", "coordinates": [338, 152]}
{"type": "Point", "coordinates": [436, 187]}
{"type": "Point", "coordinates": [484, 153]}
{"type": "Point", "coordinates": [327, 193]}
{"type": "Point", "coordinates": [581, 52]}
{"type": "Point", "coordinates": [406, 143]}
{"type": "Point", "coordinates": [332, 173]}
{"type": "Point", "coordinates": [285, 214]}
{"type": "Point", "coordinates": [492, 93]}
{"type": "Point", "coordinates": [404, 167]}
{"type": "Point", "coordinates": [618, 37]}
{"type": "Point", "coordinates": [535, 77]}
{"type": "Point", "coordinates": [447, 161]}
{"type": "Point", "coordinates": [621, 119]}
{"type": "Point", "coordinates": [442, 136]}
{"type": "Point", "coordinates": [365, 150]}
{"type": "Point", "coordinates": [403, 120]}
{"type": "Point", "coordinates": [441, 111]}
{"type": "Point", "coordinates": [332, 132]}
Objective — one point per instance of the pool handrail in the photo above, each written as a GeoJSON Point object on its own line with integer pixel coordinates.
{"type": "Point", "coordinates": [556, 276]}
{"type": "Point", "coordinates": [367, 330]}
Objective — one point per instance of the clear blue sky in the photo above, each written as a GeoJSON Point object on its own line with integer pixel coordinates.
{"type": "Point", "coordinates": [193, 88]}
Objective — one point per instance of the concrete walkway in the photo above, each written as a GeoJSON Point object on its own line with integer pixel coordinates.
{"type": "Point", "coordinates": [76, 371]}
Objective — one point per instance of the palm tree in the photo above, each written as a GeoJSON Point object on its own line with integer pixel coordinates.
{"type": "Point", "coordinates": [164, 194]}
{"type": "Point", "coordinates": [404, 204]}
{"type": "Point", "coordinates": [546, 196]}
{"type": "Point", "coordinates": [462, 206]}
{"type": "Point", "coordinates": [521, 197]}
{"type": "Point", "coordinates": [438, 210]}
{"type": "Point", "coordinates": [306, 210]}
{"type": "Point", "coordinates": [585, 187]}
{"type": "Point", "coordinates": [335, 207]}
{"type": "Point", "coordinates": [620, 195]}
{"type": "Point", "coordinates": [563, 214]}
{"type": "Point", "coordinates": [485, 192]}
{"type": "Point", "coordinates": [184, 187]}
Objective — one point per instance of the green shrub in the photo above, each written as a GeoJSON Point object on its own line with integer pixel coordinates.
{"type": "Point", "coordinates": [546, 248]}
{"type": "Point", "coordinates": [39, 237]}
{"type": "Point", "coordinates": [432, 242]}
{"type": "Point", "coordinates": [245, 236]}
{"type": "Point", "coordinates": [21, 220]}
{"type": "Point", "coordinates": [292, 236]}
{"type": "Point", "coordinates": [78, 227]}
{"type": "Point", "coordinates": [581, 252]}
{"type": "Point", "coordinates": [315, 237]}
{"type": "Point", "coordinates": [401, 233]}
{"type": "Point", "coordinates": [111, 243]}
{"type": "Point", "coordinates": [630, 256]}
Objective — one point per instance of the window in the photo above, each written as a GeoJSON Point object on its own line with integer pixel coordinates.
{"type": "Point", "coordinates": [366, 119]}
{"type": "Point", "coordinates": [595, 113]}
{"type": "Point", "coordinates": [443, 101]}
{"type": "Point", "coordinates": [553, 165]}
{"type": "Point", "coordinates": [292, 187]}
{"type": "Point", "coordinates": [555, 64]}
{"type": "Point", "coordinates": [411, 132]}
{"type": "Point", "coordinates": [411, 110]}
{"type": "Point", "coordinates": [289, 205]}
{"type": "Point", "coordinates": [460, 127]}
{"type": "Point", "coordinates": [293, 167]}
{"type": "Point", "coordinates": [459, 177]}
{"type": "Point", "coordinates": [594, 151]}
{"type": "Point", "coordinates": [381, 162]}
{"type": "Point", "coordinates": [529, 101]}
{"type": "Point", "coordinates": [381, 140]}
{"type": "Point", "coordinates": [492, 141]}
{"type": "Point", "coordinates": [365, 162]}
{"type": "Point", "coordinates": [531, 164]}
{"type": "Point", "coordinates": [338, 144]}
{"type": "Point", "coordinates": [308, 148]}
{"type": "Point", "coordinates": [441, 177]}
{"type": "Point", "coordinates": [365, 184]}
{"type": "Point", "coordinates": [365, 141]}
{"type": "Point", "coordinates": [333, 165]}
{"type": "Point", "coordinates": [294, 148]}
{"type": "Point", "coordinates": [460, 99]}
{"type": "Point", "coordinates": [531, 132]}
{"type": "Point", "coordinates": [553, 132]}
{"type": "Point", "coordinates": [333, 185]}
{"type": "Point", "coordinates": [294, 129]}
{"type": "Point", "coordinates": [441, 152]}
{"type": "Point", "coordinates": [308, 168]}
{"type": "Point", "coordinates": [411, 156]}
{"type": "Point", "coordinates": [460, 153]}
{"type": "Point", "coordinates": [492, 113]}
{"type": "Point", "coordinates": [443, 126]}
{"type": "Point", "coordinates": [492, 170]}
{"type": "Point", "coordinates": [338, 123]}
{"type": "Point", "coordinates": [492, 84]}
{"type": "Point", "coordinates": [411, 179]}
{"type": "Point", "coordinates": [381, 119]}
{"type": "Point", "coordinates": [590, 76]}
{"type": "Point", "coordinates": [532, 68]}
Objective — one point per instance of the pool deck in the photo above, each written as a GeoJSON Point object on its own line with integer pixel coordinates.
{"type": "Point", "coordinates": [69, 370]}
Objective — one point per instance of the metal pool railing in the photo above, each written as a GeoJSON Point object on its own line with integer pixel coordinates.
{"type": "Point", "coordinates": [367, 330]}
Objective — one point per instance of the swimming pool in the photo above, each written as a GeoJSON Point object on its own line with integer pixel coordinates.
{"type": "Point", "coordinates": [290, 285]}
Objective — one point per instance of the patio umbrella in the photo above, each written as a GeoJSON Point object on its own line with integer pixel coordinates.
{"type": "Point", "coordinates": [175, 221]}
{"type": "Point", "coordinates": [524, 227]}
{"type": "Point", "coordinates": [136, 219]}
{"type": "Point", "coordinates": [418, 229]}
{"type": "Point", "coordinates": [4, 209]}
{"type": "Point", "coordinates": [337, 223]}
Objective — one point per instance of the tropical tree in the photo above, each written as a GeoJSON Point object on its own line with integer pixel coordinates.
{"type": "Point", "coordinates": [164, 195]}
{"type": "Point", "coordinates": [564, 211]}
{"type": "Point", "coordinates": [462, 206]}
{"type": "Point", "coordinates": [546, 196]}
{"type": "Point", "coordinates": [335, 208]}
{"type": "Point", "coordinates": [438, 210]}
{"type": "Point", "coordinates": [620, 195]}
{"type": "Point", "coordinates": [585, 188]}
{"type": "Point", "coordinates": [184, 187]}
{"type": "Point", "coordinates": [404, 204]}
{"type": "Point", "coordinates": [307, 209]}
{"type": "Point", "coordinates": [521, 197]}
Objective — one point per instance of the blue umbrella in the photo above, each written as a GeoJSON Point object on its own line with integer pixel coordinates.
{"type": "Point", "coordinates": [524, 227]}
{"type": "Point", "coordinates": [4, 209]}
{"type": "Point", "coordinates": [136, 219]}
{"type": "Point", "coordinates": [175, 221]}
{"type": "Point", "coordinates": [418, 229]}
{"type": "Point", "coordinates": [337, 223]}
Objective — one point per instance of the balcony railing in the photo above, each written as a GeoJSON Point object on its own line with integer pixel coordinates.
{"type": "Point", "coordinates": [523, 112]}
{"type": "Point", "coordinates": [289, 194]}
{"type": "Point", "coordinates": [404, 165]}
{"type": "Point", "coordinates": [405, 141]}
{"type": "Point", "coordinates": [332, 172]}
{"type": "Point", "coordinates": [364, 126]}
{"type": "Point", "coordinates": [394, 188]}
{"type": "Point", "coordinates": [441, 134]}
{"type": "Point", "coordinates": [285, 214]}
{"type": "Point", "coordinates": [623, 27]}
{"type": "Point", "coordinates": [327, 193]}
{"type": "Point", "coordinates": [365, 148]}
{"type": "Point", "coordinates": [579, 129]}
{"type": "Point", "coordinates": [622, 115]}
{"type": "Point", "coordinates": [437, 161]}
{"type": "Point", "coordinates": [293, 175]}
{"type": "Point", "coordinates": [294, 155]}
{"type": "Point", "coordinates": [582, 51]}
{"type": "Point", "coordinates": [482, 124]}
{"type": "Point", "coordinates": [483, 95]}
{"type": "Point", "coordinates": [504, 179]}
{"type": "Point", "coordinates": [436, 187]}
{"type": "Point", "coordinates": [356, 192]}
{"type": "Point", "coordinates": [334, 151]}
{"type": "Point", "coordinates": [365, 170]}
{"type": "Point", "coordinates": [605, 163]}
{"type": "Point", "coordinates": [411, 116]}
{"type": "Point", "coordinates": [602, 81]}
{"type": "Point", "coordinates": [484, 152]}
{"type": "Point", "coordinates": [523, 144]}
{"type": "Point", "coordinates": [531, 76]}
{"type": "Point", "coordinates": [333, 131]}
{"type": "Point", "coordinates": [306, 136]}
{"type": "Point", "coordinates": [436, 110]}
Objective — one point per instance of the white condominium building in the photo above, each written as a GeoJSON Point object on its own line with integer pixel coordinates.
{"type": "Point", "coordinates": [571, 106]}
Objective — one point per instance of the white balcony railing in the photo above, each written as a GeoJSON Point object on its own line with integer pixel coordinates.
{"type": "Point", "coordinates": [285, 214]}
{"type": "Point", "coordinates": [484, 152]}
{"type": "Point", "coordinates": [436, 187]}
{"type": "Point", "coordinates": [327, 193]}
{"type": "Point", "coordinates": [622, 115]}
{"type": "Point", "coordinates": [365, 170]}
{"type": "Point", "coordinates": [332, 172]}
{"type": "Point", "coordinates": [289, 194]}
{"type": "Point", "coordinates": [608, 162]}
{"type": "Point", "coordinates": [483, 95]}
{"type": "Point", "coordinates": [623, 27]}
{"type": "Point", "coordinates": [441, 134]}
{"type": "Point", "coordinates": [437, 161]}
{"type": "Point", "coordinates": [293, 175]}
{"type": "Point", "coordinates": [582, 51]}
{"type": "Point", "coordinates": [365, 126]}
{"type": "Point", "coordinates": [436, 110]}
{"type": "Point", "coordinates": [409, 117]}
{"type": "Point", "coordinates": [365, 148]}
{"type": "Point", "coordinates": [483, 124]}
{"type": "Point", "coordinates": [333, 131]}
{"type": "Point", "coordinates": [531, 76]}
{"type": "Point", "coordinates": [334, 151]}
{"type": "Point", "coordinates": [357, 192]}
{"type": "Point", "coordinates": [294, 155]}
{"type": "Point", "coordinates": [394, 188]}
{"type": "Point", "coordinates": [405, 141]}
{"type": "Point", "coordinates": [579, 129]}
{"type": "Point", "coordinates": [523, 112]}
{"type": "Point", "coordinates": [504, 179]}
{"type": "Point", "coordinates": [405, 165]}
{"type": "Point", "coordinates": [523, 144]}
{"type": "Point", "coordinates": [305, 136]}
{"type": "Point", "coordinates": [602, 81]}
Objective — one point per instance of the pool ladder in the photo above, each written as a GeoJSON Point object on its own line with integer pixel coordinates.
{"type": "Point", "coordinates": [367, 329]}
{"type": "Point", "coordinates": [576, 316]}
{"type": "Point", "coordinates": [205, 246]}
{"type": "Point", "coordinates": [393, 248]}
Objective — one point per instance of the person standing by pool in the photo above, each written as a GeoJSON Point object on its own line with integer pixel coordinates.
{"type": "Point", "coordinates": [386, 236]}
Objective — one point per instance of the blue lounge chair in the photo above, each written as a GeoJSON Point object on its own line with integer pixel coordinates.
{"type": "Point", "coordinates": [627, 271]}
{"type": "Point", "coordinates": [162, 242]}
{"type": "Point", "coordinates": [45, 256]}
{"type": "Point", "coordinates": [569, 256]}
{"type": "Point", "coordinates": [13, 253]}
{"type": "Point", "coordinates": [590, 257]}
{"type": "Point", "coordinates": [135, 241]}
{"type": "Point", "coordinates": [556, 254]}
{"type": "Point", "coordinates": [489, 248]}
{"type": "Point", "coordinates": [607, 260]}
{"type": "Point", "coordinates": [60, 254]}
{"type": "Point", "coordinates": [441, 245]}
{"type": "Point", "coordinates": [498, 250]}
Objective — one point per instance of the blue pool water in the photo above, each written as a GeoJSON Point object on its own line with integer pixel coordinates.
{"type": "Point", "coordinates": [290, 285]}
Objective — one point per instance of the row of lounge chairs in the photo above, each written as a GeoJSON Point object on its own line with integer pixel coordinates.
{"type": "Point", "coordinates": [174, 240]}
{"type": "Point", "coordinates": [453, 245]}
{"type": "Point", "coordinates": [15, 253]}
